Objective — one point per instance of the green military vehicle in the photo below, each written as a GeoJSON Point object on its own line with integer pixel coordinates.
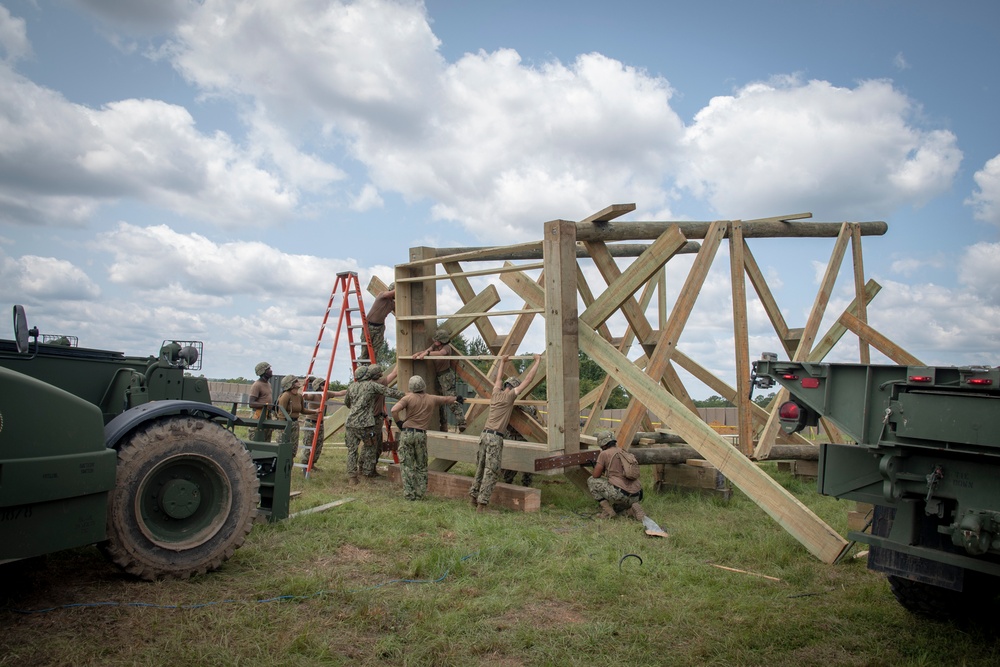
{"type": "Point", "coordinates": [128, 453]}
{"type": "Point", "coordinates": [926, 455]}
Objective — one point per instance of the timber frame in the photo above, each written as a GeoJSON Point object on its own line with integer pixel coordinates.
{"type": "Point", "coordinates": [651, 380]}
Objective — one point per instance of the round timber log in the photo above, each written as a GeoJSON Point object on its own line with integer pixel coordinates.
{"type": "Point", "coordinates": [681, 453]}
{"type": "Point", "coordinates": [638, 231]}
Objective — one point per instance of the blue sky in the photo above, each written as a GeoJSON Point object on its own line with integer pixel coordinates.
{"type": "Point", "coordinates": [204, 169]}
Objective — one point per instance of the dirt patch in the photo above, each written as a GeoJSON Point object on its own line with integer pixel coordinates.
{"type": "Point", "coordinates": [541, 614]}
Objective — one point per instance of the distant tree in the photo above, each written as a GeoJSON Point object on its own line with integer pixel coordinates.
{"type": "Point", "coordinates": [764, 401]}
{"type": "Point", "coordinates": [714, 402]}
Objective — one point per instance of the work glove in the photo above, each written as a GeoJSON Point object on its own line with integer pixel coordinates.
{"type": "Point", "coordinates": [399, 424]}
{"type": "Point", "coordinates": [460, 400]}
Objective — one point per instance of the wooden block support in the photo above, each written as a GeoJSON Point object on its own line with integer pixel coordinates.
{"type": "Point", "coordinates": [805, 469]}
{"type": "Point", "coordinates": [858, 517]}
{"type": "Point", "coordinates": [698, 478]}
{"type": "Point", "coordinates": [448, 485]}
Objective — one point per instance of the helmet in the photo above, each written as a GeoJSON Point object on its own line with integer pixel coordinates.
{"type": "Point", "coordinates": [417, 384]}
{"type": "Point", "coordinates": [512, 381]}
{"type": "Point", "coordinates": [441, 336]}
{"type": "Point", "coordinates": [288, 382]}
{"type": "Point", "coordinates": [374, 372]}
{"type": "Point", "coordinates": [392, 286]}
{"type": "Point", "coordinates": [605, 439]}
{"type": "Point", "coordinates": [360, 373]}
{"type": "Point", "coordinates": [261, 368]}
{"type": "Point", "coordinates": [316, 384]}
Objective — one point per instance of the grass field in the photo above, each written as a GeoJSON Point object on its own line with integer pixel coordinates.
{"type": "Point", "coordinates": [382, 581]}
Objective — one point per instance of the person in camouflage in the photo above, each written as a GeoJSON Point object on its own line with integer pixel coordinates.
{"type": "Point", "coordinates": [360, 425]}
{"type": "Point", "coordinates": [514, 434]}
{"type": "Point", "coordinates": [419, 407]}
{"type": "Point", "coordinates": [291, 401]}
{"type": "Point", "coordinates": [368, 466]}
{"type": "Point", "coordinates": [260, 400]}
{"type": "Point", "coordinates": [383, 306]}
{"type": "Point", "coordinates": [314, 422]}
{"type": "Point", "coordinates": [446, 374]}
{"type": "Point", "coordinates": [609, 486]}
{"type": "Point", "coordinates": [491, 440]}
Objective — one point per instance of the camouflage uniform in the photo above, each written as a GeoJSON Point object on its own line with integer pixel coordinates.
{"type": "Point", "coordinates": [446, 381]}
{"type": "Point", "coordinates": [413, 463]}
{"type": "Point", "coordinates": [514, 434]}
{"type": "Point", "coordinates": [487, 466]}
{"type": "Point", "coordinates": [361, 425]}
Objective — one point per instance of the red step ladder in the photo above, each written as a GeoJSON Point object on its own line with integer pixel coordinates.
{"type": "Point", "coordinates": [351, 318]}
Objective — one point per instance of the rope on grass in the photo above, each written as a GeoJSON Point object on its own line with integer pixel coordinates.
{"type": "Point", "coordinates": [218, 602]}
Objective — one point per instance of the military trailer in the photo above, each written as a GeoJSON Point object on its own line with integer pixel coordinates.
{"type": "Point", "coordinates": [127, 453]}
{"type": "Point", "coordinates": [926, 455]}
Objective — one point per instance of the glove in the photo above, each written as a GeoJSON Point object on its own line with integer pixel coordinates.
{"type": "Point", "coordinates": [460, 400]}
{"type": "Point", "coordinates": [399, 424]}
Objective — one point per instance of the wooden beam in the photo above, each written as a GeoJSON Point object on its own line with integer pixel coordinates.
{"type": "Point", "coordinates": [561, 347]}
{"type": "Point", "coordinates": [482, 272]}
{"type": "Point", "coordinates": [859, 289]}
{"type": "Point", "coordinates": [448, 485]}
{"type": "Point", "coordinates": [635, 276]}
{"type": "Point", "coordinates": [634, 315]}
{"type": "Point", "coordinates": [836, 332]}
{"type": "Point", "coordinates": [659, 360]}
{"type": "Point", "coordinates": [534, 251]}
{"type": "Point", "coordinates": [800, 522]}
{"type": "Point", "coordinates": [879, 341]}
{"type": "Point", "coordinates": [741, 337]}
{"type": "Point", "coordinates": [764, 294]}
{"type": "Point", "coordinates": [467, 293]}
{"type": "Point", "coordinates": [765, 228]}
{"type": "Point", "coordinates": [608, 214]}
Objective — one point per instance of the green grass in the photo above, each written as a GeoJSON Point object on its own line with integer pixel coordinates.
{"type": "Point", "coordinates": [550, 588]}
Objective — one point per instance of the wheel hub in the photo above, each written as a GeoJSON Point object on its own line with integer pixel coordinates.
{"type": "Point", "coordinates": [180, 498]}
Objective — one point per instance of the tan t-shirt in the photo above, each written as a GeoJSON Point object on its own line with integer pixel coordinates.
{"type": "Point", "coordinates": [420, 408]}
{"type": "Point", "coordinates": [615, 472]}
{"type": "Point", "coordinates": [501, 407]}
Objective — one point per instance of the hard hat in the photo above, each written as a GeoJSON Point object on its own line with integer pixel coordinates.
{"type": "Point", "coordinates": [392, 286]}
{"type": "Point", "coordinates": [441, 336]}
{"type": "Point", "coordinates": [606, 438]}
{"type": "Point", "coordinates": [374, 372]}
{"type": "Point", "coordinates": [417, 384]}
{"type": "Point", "coordinates": [360, 372]}
{"type": "Point", "coordinates": [288, 382]}
{"type": "Point", "coordinates": [261, 368]}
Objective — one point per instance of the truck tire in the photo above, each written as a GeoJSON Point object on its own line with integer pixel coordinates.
{"type": "Point", "coordinates": [185, 499]}
{"type": "Point", "coordinates": [939, 603]}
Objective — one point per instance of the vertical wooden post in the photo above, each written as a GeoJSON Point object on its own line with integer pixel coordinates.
{"type": "Point", "coordinates": [859, 287]}
{"type": "Point", "coordinates": [416, 298]}
{"type": "Point", "coordinates": [562, 336]}
{"type": "Point", "coordinates": [740, 337]}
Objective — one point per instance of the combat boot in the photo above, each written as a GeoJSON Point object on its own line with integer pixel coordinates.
{"type": "Point", "coordinates": [637, 512]}
{"type": "Point", "coordinates": [607, 511]}
{"type": "Point", "coordinates": [352, 480]}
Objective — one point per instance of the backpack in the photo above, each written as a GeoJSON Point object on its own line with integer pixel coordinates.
{"type": "Point", "coordinates": [630, 466]}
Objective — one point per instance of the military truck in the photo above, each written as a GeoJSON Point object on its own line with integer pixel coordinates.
{"type": "Point", "coordinates": [926, 455]}
{"type": "Point", "coordinates": [127, 453]}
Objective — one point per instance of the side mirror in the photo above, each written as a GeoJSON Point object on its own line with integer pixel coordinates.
{"type": "Point", "coordinates": [21, 329]}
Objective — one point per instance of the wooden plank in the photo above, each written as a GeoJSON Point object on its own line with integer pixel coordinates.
{"type": "Point", "coordinates": [587, 296]}
{"type": "Point", "coordinates": [466, 315]}
{"type": "Point", "coordinates": [879, 341]}
{"type": "Point", "coordinates": [767, 435]}
{"type": "Point", "coordinates": [517, 454]}
{"type": "Point", "coordinates": [467, 293]}
{"type": "Point", "coordinates": [859, 290]}
{"type": "Point", "coordinates": [741, 337]}
{"type": "Point", "coordinates": [561, 347]}
{"type": "Point", "coordinates": [482, 272]}
{"type": "Point", "coordinates": [836, 332]}
{"type": "Point", "coordinates": [608, 213]}
{"type": "Point", "coordinates": [524, 253]}
{"type": "Point", "coordinates": [764, 294]}
{"type": "Point", "coordinates": [660, 359]}
{"type": "Point", "coordinates": [448, 485]}
{"type": "Point", "coordinates": [472, 254]}
{"type": "Point", "coordinates": [821, 540]}
{"type": "Point", "coordinates": [635, 275]}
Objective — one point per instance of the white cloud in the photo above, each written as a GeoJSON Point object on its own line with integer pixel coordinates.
{"type": "Point", "coordinates": [785, 147]}
{"type": "Point", "coordinates": [367, 199]}
{"type": "Point", "coordinates": [986, 200]}
{"type": "Point", "coordinates": [32, 278]}
{"type": "Point", "coordinates": [14, 43]}
{"type": "Point", "coordinates": [979, 270]}
{"type": "Point", "coordinates": [899, 62]}
{"type": "Point", "coordinates": [150, 257]}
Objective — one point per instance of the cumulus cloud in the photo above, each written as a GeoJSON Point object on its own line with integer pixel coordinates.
{"type": "Point", "coordinates": [367, 199]}
{"type": "Point", "coordinates": [32, 278]}
{"type": "Point", "coordinates": [787, 146]}
{"type": "Point", "coordinates": [979, 270]}
{"type": "Point", "coordinates": [986, 200]}
{"type": "Point", "coordinates": [150, 258]}
{"type": "Point", "coordinates": [139, 17]}
{"type": "Point", "coordinates": [13, 36]}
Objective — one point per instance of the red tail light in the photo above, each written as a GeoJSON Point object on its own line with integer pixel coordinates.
{"type": "Point", "coordinates": [980, 381]}
{"type": "Point", "coordinates": [789, 410]}
{"type": "Point", "coordinates": [920, 378]}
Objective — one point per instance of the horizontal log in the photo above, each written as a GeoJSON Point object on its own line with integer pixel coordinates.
{"type": "Point", "coordinates": [636, 230]}
{"type": "Point", "coordinates": [486, 254]}
{"type": "Point", "coordinates": [673, 454]}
